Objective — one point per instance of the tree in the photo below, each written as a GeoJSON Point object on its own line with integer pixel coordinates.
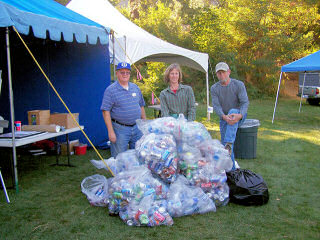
{"type": "Point", "coordinates": [256, 36]}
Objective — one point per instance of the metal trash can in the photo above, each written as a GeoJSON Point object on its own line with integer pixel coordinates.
{"type": "Point", "coordinates": [245, 145]}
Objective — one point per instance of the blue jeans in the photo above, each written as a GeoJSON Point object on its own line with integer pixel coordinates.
{"type": "Point", "coordinates": [229, 132]}
{"type": "Point", "coordinates": [125, 135]}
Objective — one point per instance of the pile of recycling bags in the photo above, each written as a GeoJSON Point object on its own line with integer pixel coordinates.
{"type": "Point", "coordinates": [176, 169]}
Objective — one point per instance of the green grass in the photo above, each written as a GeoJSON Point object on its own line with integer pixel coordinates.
{"type": "Point", "coordinates": [50, 204]}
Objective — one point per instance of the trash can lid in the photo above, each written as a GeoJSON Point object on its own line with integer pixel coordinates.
{"type": "Point", "coordinates": [250, 123]}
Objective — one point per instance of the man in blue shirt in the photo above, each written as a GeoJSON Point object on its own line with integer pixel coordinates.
{"type": "Point", "coordinates": [121, 106]}
{"type": "Point", "coordinates": [230, 102]}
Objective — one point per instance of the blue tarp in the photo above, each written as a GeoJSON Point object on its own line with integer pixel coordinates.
{"type": "Point", "coordinates": [306, 64]}
{"type": "Point", "coordinates": [48, 15]}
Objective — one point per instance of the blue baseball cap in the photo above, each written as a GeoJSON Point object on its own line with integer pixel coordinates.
{"type": "Point", "coordinates": [123, 65]}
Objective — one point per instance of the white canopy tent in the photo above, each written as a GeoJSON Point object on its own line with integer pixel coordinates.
{"type": "Point", "coordinates": [133, 44]}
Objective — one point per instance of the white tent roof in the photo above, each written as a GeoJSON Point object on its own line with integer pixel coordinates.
{"type": "Point", "coordinates": [138, 43]}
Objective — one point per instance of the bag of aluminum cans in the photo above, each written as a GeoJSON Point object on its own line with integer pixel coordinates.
{"type": "Point", "coordinates": [159, 153]}
{"type": "Point", "coordinates": [184, 199]}
{"type": "Point", "coordinates": [212, 182]}
{"type": "Point", "coordinates": [123, 162]}
{"type": "Point", "coordinates": [164, 125]}
{"type": "Point", "coordinates": [133, 185]}
{"type": "Point", "coordinates": [207, 172]}
{"type": "Point", "coordinates": [215, 153]}
{"type": "Point", "coordinates": [95, 187]}
{"type": "Point", "coordinates": [147, 212]}
{"type": "Point", "coordinates": [190, 159]}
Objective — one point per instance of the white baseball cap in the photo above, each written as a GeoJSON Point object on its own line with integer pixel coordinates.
{"type": "Point", "coordinates": [222, 66]}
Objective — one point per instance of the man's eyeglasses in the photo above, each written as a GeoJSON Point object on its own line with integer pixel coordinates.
{"type": "Point", "coordinates": [125, 73]}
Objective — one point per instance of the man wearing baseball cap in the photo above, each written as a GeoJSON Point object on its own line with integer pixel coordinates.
{"type": "Point", "coordinates": [230, 102]}
{"type": "Point", "coordinates": [121, 106]}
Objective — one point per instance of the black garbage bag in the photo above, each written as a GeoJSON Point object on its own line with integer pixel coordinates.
{"type": "Point", "coordinates": [247, 188]}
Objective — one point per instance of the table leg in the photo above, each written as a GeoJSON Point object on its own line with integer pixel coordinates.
{"type": "Point", "coordinates": [68, 155]}
{"type": "Point", "coordinates": [57, 149]}
{"type": "Point", "coordinates": [68, 150]}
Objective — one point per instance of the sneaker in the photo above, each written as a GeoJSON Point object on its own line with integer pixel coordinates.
{"type": "Point", "coordinates": [228, 147]}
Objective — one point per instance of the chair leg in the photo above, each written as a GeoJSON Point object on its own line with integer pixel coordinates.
{"type": "Point", "coordinates": [4, 188]}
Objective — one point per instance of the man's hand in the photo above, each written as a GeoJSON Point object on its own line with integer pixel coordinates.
{"type": "Point", "coordinates": [112, 136]}
{"type": "Point", "coordinates": [232, 118]}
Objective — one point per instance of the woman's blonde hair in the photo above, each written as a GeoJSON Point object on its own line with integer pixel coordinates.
{"type": "Point", "coordinates": [169, 69]}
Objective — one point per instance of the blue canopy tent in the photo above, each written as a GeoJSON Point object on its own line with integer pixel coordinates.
{"type": "Point", "coordinates": [310, 63]}
{"type": "Point", "coordinates": [72, 51]}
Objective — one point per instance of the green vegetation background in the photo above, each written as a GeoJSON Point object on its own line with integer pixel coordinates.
{"type": "Point", "coordinates": [255, 37]}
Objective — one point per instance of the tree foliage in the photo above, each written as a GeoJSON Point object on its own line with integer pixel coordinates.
{"type": "Point", "coordinates": [255, 37]}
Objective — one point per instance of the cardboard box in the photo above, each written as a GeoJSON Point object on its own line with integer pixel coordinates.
{"type": "Point", "coordinates": [64, 119]}
{"type": "Point", "coordinates": [39, 117]}
{"type": "Point", "coordinates": [64, 148]}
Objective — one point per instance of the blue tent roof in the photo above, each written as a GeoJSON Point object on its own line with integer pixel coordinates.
{"type": "Point", "coordinates": [306, 64]}
{"type": "Point", "coordinates": [48, 15]}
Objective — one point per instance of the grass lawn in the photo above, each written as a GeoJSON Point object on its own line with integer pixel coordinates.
{"type": "Point", "coordinates": [50, 204]}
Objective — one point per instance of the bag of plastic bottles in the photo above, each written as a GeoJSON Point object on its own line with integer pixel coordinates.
{"type": "Point", "coordinates": [95, 187]}
{"type": "Point", "coordinates": [123, 162]}
{"type": "Point", "coordinates": [164, 125]}
{"type": "Point", "coordinates": [192, 133]}
{"type": "Point", "coordinates": [134, 185]}
{"type": "Point", "coordinates": [147, 212]}
{"type": "Point", "coordinates": [184, 199]}
{"type": "Point", "coordinates": [247, 188]}
{"type": "Point", "coordinates": [159, 153]}
{"type": "Point", "coordinates": [188, 153]}
{"type": "Point", "coordinates": [215, 153]}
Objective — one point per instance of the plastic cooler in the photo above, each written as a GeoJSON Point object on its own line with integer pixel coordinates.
{"type": "Point", "coordinates": [245, 145]}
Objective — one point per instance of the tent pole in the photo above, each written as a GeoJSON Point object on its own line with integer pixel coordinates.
{"type": "Point", "coordinates": [275, 104]}
{"type": "Point", "coordinates": [114, 57]}
{"type": "Point", "coordinates": [125, 48]}
{"type": "Point", "coordinates": [207, 81]}
{"type": "Point", "coordinates": [14, 153]}
{"type": "Point", "coordinates": [304, 79]}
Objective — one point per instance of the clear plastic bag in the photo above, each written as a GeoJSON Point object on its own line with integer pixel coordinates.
{"type": "Point", "coordinates": [123, 162]}
{"type": "Point", "coordinates": [133, 186]}
{"type": "Point", "coordinates": [215, 153]}
{"type": "Point", "coordinates": [184, 199]}
{"type": "Point", "coordinates": [148, 212]}
{"type": "Point", "coordinates": [165, 125]}
{"type": "Point", "coordinates": [95, 187]}
{"type": "Point", "coordinates": [192, 133]}
{"type": "Point", "coordinates": [159, 153]}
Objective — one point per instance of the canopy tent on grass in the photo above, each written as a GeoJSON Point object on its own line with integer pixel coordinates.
{"type": "Point", "coordinates": [80, 72]}
{"type": "Point", "coordinates": [133, 44]}
{"type": "Point", "coordinates": [310, 63]}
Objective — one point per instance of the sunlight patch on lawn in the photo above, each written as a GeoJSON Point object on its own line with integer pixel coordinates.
{"type": "Point", "coordinates": [310, 136]}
